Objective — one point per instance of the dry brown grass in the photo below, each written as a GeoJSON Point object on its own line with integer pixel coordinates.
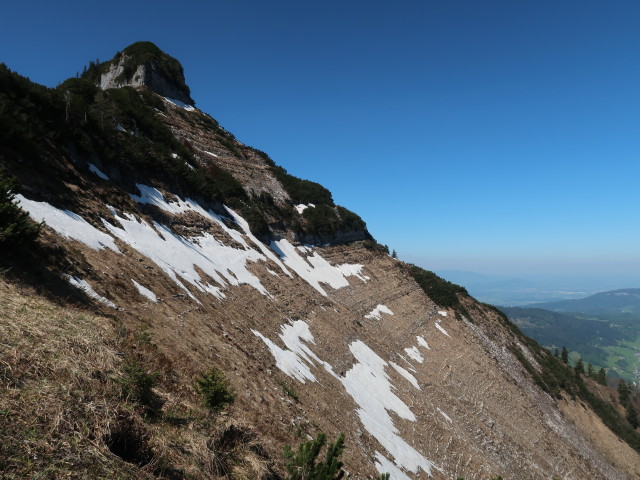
{"type": "Point", "coordinates": [63, 415]}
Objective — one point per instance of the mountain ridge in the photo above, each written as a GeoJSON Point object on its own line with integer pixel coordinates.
{"type": "Point", "coordinates": [191, 251]}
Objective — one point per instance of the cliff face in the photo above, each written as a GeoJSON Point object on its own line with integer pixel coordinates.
{"type": "Point", "coordinates": [144, 64]}
{"type": "Point", "coordinates": [189, 258]}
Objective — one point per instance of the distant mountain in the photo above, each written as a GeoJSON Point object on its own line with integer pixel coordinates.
{"type": "Point", "coordinates": [625, 301]}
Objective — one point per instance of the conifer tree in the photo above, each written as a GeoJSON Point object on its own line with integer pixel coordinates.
{"type": "Point", "coordinates": [632, 416]}
{"type": "Point", "coordinates": [590, 371]}
{"type": "Point", "coordinates": [303, 465]}
{"type": "Point", "coordinates": [17, 230]}
{"type": "Point", "coordinates": [579, 368]}
{"type": "Point", "coordinates": [623, 393]}
{"type": "Point", "coordinates": [601, 377]}
{"type": "Point", "coordinates": [565, 355]}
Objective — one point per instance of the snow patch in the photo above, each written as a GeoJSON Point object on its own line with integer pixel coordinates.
{"type": "Point", "coordinates": [145, 292]}
{"type": "Point", "coordinates": [179, 256]}
{"type": "Point", "coordinates": [210, 153]}
{"type": "Point", "coordinates": [353, 270]}
{"type": "Point", "coordinates": [86, 288]}
{"type": "Point", "coordinates": [178, 103]}
{"type": "Point", "coordinates": [422, 342]}
{"type": "Point", "coordinates": [302, 207]}
{"type": "Point", "coordinates": [406, 374]}
{"type": "Point", "coordinates": [67, 224]}
{"type": "Point", "coordinates": [442, 312]}
{"type": "Point", "coordinates": [446, 417]}
{"type": "Point", "coordinates": [313, 268]}
{"type": "Point", "coordinates": [439, 327]}
{"type": "Point", "coordinates": [369, 385]}
{"type": "Point", "coordinates": [378, 311]}
{"type": "Point", "coordinates": [294, 359]}
{"type": "Point", "coordinates": [414, 353]}
{"type": "Point", "coordinates": [97, 171]}
{"type": "Point", "coordinates": [384, 465]}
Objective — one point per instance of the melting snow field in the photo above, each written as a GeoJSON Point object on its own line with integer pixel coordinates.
{"type": "Point", "coordinates": [145, 292]}
{"type": "Point", "coordinates": [86, 288]}
{"type": "Point", "coordinates": [67, 224]}
{"type": "Point", "coordinates": [370, 387]}
{"type": "Point", "coordinates": [377, 312]}
{"type": "Point", "coordinates": [313, 268]}
{"type": "Point", "coordinates": [292, 360]}
{"type": "Point", "coordinates": [422, 342]}
{"type": "Point", "coordinates": [178, 256]}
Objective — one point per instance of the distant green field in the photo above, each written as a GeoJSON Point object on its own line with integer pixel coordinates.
{"type": "Point", "coordinates": [605, 340]}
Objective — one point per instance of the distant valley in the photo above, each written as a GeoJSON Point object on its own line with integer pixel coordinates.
{"type": "Point", "coordinates": [603, 328]}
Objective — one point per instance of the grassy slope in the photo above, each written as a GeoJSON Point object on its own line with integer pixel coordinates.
{"type": "Point", "coordinates": [62, 408]}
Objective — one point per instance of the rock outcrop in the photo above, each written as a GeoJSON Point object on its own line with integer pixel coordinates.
{"type": "Point", "coordinates": [144, 64]}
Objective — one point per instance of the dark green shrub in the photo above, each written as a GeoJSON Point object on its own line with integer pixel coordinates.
{"type": "Point", "coordinates": [215, 390]}
{"type": "Point", "coordinates": [137, 384]}
{"type": "Point", "coordinates": [441, 291]}
{"type": "Point", "coordinates": [304, 465]}
{"type": "Point", "coordinates": [17, 230]}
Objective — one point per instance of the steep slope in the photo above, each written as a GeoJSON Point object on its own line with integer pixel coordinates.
{"type": "Point", "coordinates": [189, 246]}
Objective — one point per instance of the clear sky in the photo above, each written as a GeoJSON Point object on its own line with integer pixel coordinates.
{"type": "Point", "coordinates": [495, 136]}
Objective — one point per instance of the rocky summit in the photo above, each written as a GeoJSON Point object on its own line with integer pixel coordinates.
{"type": "Point", "coordinates": [188, 309]}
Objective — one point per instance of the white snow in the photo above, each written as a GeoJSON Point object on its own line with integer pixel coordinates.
{"type": "Point", "coordinates": [179, 256]}
{"type": "Point", "coordinates": [439, 327]}
{"type": "Point", "coordinates": [211, 153]}
{"type": "Point", "coordinates": [97, 171]}
{"type": "Point", "coordinates": [292, 359]}
{"type": "Point", "coordinates": [369, 385]}
{"type": "Point", "coordinates": [174, 155]}
{"type": "Point", "coordinates": [178, 103]}
{"type": "Point", "coordinates": [353, 270]}
{"type": "Point", "coordinates": [442, 312]}
{"type": "Point", "coordinates": [406, 374]}
{"type": "Point", "coordinates": [422, 342]}
{"type": "Point", "coordinates": [86, 288]}
{"type": "Point", "coordinates": [67, 224]}
{"type": "Point", "coordinates": [384, 465]}
{"type": "Point", "coordinates": [272, 272]}
{"type": "Point", "coordinates": [414, 353]}
{"type": "Point", "coordinates": [313, 268]}
{"type": "Point", "coordinates": [302, 207]}
{"type": "Point", "coordinates": [446, 417]}
{"type": "Point", "coordinates": [242, 223]}
{"type": "Point", "coordinates": [153, 196]}
{"type": "Point", "coordinates": [145, 292]}
{"type": "Point", "coordinates": [378, 311]}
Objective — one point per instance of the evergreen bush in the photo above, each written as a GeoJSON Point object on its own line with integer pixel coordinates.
{"type": "Point", "coordinates": [215, 390]}
{"type": "Point", "coordinates": [17, 230]}
{"type": "Point", "coordinates": [304, 465]}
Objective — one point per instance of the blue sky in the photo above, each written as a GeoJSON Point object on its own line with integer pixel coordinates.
{"type": "Point", "coordinates": [497, 136]}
